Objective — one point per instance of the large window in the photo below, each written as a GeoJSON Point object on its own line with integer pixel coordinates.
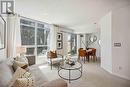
{"type": "Point", "coordinates": [27, 35]}
{"type": "Point", "coordinates": [34, 36]}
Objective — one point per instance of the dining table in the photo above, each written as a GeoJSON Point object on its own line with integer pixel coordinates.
{"type": "Point", "coordinates": [89, 50]}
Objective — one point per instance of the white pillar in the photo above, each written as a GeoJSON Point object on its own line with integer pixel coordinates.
{"type": "Point", "coordinates": [52, 37]}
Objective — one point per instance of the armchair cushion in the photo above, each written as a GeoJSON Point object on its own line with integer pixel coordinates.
{"type": "Point", "coordinates": [55, 60]}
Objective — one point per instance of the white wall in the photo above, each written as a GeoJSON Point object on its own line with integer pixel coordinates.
{"type": "Point", "coordinates": [115, 28]}
{"type": "Point", "coordinates": [121, 34]}
{"type": "Point", "coordinates": [106, 46]}
{"type": "Point", "coordinates": [53, 38]}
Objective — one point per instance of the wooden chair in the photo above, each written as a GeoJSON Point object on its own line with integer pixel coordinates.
{"type": "Point", "coordinates": [93, 54]}
{"type": "Point", "coordinates": [79, 52]}
{"type": "Point", "coordinates": [82, 54]}
{"type": "Point", "coordinates": [54, 58]}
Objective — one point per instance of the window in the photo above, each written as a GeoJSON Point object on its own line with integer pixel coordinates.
{"type": "Point", "coordinates": [30, 50]}
{"type": "Point", "coordinates": [42, 36]}
{"type": "Point", "coordinates": [34, 36]}
{"type": "Point", "coordinates": [27, 35]}
{"type": "Point", "coordinates": [72, 43]}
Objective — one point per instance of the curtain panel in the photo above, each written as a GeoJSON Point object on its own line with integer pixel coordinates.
{"type": "Point", "coordinates": [13, 34]}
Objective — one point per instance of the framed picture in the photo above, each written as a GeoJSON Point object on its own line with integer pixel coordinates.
{"type": "Point", "coordinates": [59, 45]}
{"type": "Point", "coordinates": [2, 32]}
{"type": "Point", "coordinates": [59, 36]}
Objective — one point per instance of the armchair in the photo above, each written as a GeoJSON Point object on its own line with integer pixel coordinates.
{"type": "Point", "coordinates": [54, 58]}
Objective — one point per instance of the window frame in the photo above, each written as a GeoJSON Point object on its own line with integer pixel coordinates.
{"type": "Point", "coordinates": [35, 46]}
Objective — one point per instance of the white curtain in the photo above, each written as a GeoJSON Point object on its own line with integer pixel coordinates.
{"type": "Point", "coordinates": [13, 35]}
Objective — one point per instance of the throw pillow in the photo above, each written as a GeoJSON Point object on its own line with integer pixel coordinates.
{"type": "Point", "coordinates": [19, 73]}
{"type": "Point", "coordinates": [53, 54]}
{"type": "Point", "coordinates": [21, 58]}
{"type": "Point", "coordinates": [24, 82]}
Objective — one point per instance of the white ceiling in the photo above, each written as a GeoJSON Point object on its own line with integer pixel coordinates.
{"type": "Point", "coordinates": [74, 14]}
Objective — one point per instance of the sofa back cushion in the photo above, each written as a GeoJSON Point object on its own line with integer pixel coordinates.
{"type": "Point", "coordinates": [6, 74]}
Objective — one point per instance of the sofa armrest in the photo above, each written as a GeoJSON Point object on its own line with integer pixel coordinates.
{"type": "Point", "coordinates": [56, 83]}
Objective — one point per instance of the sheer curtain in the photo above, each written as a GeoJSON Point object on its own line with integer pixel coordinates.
{"type": "Point", "coordinates": [13, 34]}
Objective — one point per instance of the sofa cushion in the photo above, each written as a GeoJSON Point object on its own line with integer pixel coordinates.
{"type": "Point", "coordinates": [6, 74]}
{"type": "Point", "coordinates": [40, 78]}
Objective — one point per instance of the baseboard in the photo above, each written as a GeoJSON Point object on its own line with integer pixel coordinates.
{"type": "Point", "coordinates": [106, 70]}
{"type": "Point", "coordinates": [115, 74]}
{"type": "Point", "coordinates": [121, 76]}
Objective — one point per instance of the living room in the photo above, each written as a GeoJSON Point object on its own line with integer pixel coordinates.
{"type": "Point", "coordinates": [71, 43]}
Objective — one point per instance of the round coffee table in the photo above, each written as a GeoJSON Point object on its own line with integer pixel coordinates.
{"type": "Point", "coordinates": [69, 72]}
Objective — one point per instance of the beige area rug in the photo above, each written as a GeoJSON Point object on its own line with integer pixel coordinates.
{"type": "Point", "coordinates": [93, 76]}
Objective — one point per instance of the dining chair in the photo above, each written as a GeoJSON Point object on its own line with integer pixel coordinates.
{"type": "Point", "coordinates": [93, 54]}
{"type": "Point", "coordinates": [82, 54]}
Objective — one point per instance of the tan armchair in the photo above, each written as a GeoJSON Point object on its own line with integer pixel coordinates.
{"type": "Point", "coordinates": [54, 58]}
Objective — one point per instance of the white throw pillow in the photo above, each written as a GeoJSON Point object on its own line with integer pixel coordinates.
{"type": "Point", "coordinates": [21, 59]}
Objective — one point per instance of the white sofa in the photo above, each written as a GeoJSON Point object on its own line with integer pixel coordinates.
{"type": "Point", "coordinates": [6, 73]}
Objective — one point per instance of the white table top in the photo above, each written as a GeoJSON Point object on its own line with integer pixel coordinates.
{"type": "Point", "coordinates": [89, 50]}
